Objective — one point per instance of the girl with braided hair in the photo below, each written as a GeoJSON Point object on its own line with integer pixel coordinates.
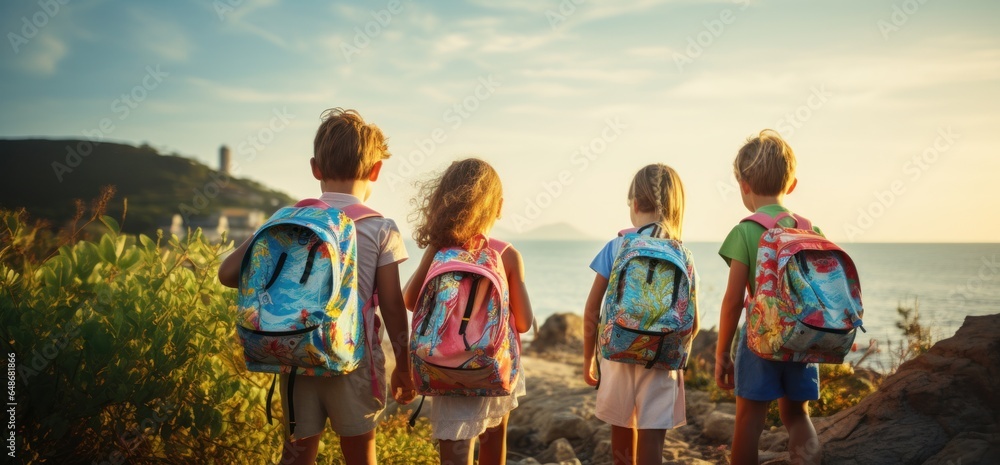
{"type": "Point", "coordinates": [639, 403]}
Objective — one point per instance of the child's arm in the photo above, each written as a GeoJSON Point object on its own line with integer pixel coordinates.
{"type": "Point", "coordinates": [229, 270]}
{"type": "Point", "coordinates": [412, 290]}
{"type": "Point", "coordinates": [391, 304]}
{"type": "Point", "coordinates": [520, 306]}
{"type": "Point", "coordinates": [729, 317]}
{"type": "Point", "coordinates": [591, 313]}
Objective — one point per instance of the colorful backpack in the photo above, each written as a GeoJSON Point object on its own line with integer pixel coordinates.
{"type": "Point", "coordinates": [298, 310]}
{"type": "Point", "coordinates": [647, 317]}
{"type": "Point", "coordinates": [807, 305]}
{"type": "Point", "coordinates": [464, 342]}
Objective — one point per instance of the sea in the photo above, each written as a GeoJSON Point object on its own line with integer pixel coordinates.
{"type": "Point", "coordinates": [945, 282]}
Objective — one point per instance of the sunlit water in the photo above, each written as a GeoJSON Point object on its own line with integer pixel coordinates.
{"type": "Point", "coordinates": [950, 282]}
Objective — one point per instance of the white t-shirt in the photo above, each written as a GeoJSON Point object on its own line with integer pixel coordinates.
{"type": "Point", "coordinates": [379, 243]}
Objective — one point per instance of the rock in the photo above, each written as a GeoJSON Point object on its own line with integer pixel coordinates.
{"type": "Point", "coordinates": [529, 461]}
{"type": "Point", "coordinates": [602, 452]}
{"type": "Point", "coordinates": [687, 461]}
{"type": "Point", "coordinates": [697, 405]}
{"type": "Point", "coordinates": [562, 332]}
{"type": "Point", "coordinates": [774, 440]}
{"type": "Point", "coordinates": [719, 427]}
{"type": "Point", "coordinates": [703, 346]}
{"type": "Point", "coordinates": [559, 451]}
{"type": "Point", "coordinates": [565, 425]}
{"type": "Point", "coordinates": [938, 408]}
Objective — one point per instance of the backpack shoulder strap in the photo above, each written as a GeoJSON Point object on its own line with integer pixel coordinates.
{"type": "Point", "coordinates": [498, 245]}
{"type": "Point", "coordinates": [312, 203]}
{"type": "Point", "coordinates": [623, 232]}
{"type": "Point", "coordinates": [765, 220]}
{"type": "Point", "coordinates": [360, 211]}
{"type": "Point", "coordinates": [802, 223]}
{"type": "Point", "coordinates": [768, 222]}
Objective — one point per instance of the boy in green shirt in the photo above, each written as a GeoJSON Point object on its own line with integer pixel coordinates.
{"type": "Point", "coordinates": [765, 170]}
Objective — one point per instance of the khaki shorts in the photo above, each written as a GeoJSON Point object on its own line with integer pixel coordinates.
{"type": "Point", "coordinates": [346, 400]}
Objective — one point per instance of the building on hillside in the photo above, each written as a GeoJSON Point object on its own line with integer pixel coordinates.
{"type": "Point", "coordinates": [237, 224]}
{"type": "Point", "coordinates": [225, 159]}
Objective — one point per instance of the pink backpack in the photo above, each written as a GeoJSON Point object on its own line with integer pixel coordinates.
{"type": "Point", "coordinates": [807, 305]}
{"type": "Point", "coordinates": [464, 342]}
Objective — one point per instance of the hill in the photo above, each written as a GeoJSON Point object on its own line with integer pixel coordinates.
{"type": "Point", "coordinates": [45, 176]}
{"type": "Point", "coordinates": [548, 232]}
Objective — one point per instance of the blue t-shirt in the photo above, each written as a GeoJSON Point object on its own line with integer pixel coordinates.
{"type": "Point", "coordinates": [605, 259]}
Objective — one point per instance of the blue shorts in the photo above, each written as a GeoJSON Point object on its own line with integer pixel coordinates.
{"type": "Point", "coordinates": [766, 380]}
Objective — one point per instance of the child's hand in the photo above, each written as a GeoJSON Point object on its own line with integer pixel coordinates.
{"type": "Point", "coordinates": [401, 384]}
{"type": "Point", "coordinates": [725, 375]}
{"type": "Point", "coordinates": [588, 373]}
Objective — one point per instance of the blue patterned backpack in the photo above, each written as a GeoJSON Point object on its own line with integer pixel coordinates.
{"type": "Point", "coordinates": [298, 310]}
{"type": "Point", "coordinates": [647, 317]}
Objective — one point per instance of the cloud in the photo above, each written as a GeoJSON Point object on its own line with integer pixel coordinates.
{"type": "Point", "coordinates": [42, 55]}
{"type": "Point", "coordinates": [165, 39]}
{"type": "Point", "coordinates": [231, 93]}
{"type": "Point", "coordinates": [651, 52]}
{"type": "Point", "coordinates": [543, 89]}
{"type": "Point", "coordinates": [237, 21]}
{"type": "Point", "coordinates": [607, 75]}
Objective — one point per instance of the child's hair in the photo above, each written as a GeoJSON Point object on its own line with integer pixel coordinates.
{"type": "Point", "coordinates": [460, 203]}
{"type": "Point", "coordinates": [658, 188]}
{"type": "Point", "coordinates": [346, 147]}
{"type": "Point", "coordinates": [766, 163]}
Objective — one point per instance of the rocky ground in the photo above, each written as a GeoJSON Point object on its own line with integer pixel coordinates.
{"type": "Point", "coordinates": [941, 408]}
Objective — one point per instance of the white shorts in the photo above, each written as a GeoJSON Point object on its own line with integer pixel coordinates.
{"type": "Point", "coordinates": [631, 396]}
{"type": "Point", "coordinates": [465, 418]}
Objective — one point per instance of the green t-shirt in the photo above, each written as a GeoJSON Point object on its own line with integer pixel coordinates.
{"type": "Point", "coordinates": [741, 243]}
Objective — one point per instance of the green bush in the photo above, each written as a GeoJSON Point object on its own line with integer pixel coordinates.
{"type": "Point", "coordinates": [126, 353]}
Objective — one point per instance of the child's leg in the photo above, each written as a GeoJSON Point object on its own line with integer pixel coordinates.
{"type": "Point", "coordinates": [300, 452]}
{"type": "Point", "coordinates": [803, 445]}
{"type": "Point", "coordinates": [493, 444]}
{"type": "Point", "coordinates": [455, 452]}
{"type": "Point", "coordinates": [750, 416]}
{"type": "Point", "coordinates": [649, 450]}
{"type": "Point", "coordinates": [623, 445]}
{"type": "Point", "coordinates": [359, 450]}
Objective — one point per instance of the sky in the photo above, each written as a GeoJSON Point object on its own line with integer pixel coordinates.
{"type": "Point", "coordinates": [890, 106]}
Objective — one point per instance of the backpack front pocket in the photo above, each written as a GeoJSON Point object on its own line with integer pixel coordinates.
{"type": "Point", "coordinates": [299, 348]}
{"type": "Point", "coordinates": [829, 344]}
{"type": "Point", "coordinates": [481, 380]}
{"type": "Point", "coordinates": [641, 347]}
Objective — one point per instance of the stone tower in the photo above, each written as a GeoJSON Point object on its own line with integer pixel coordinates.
{"type": "Point", "coordinates": [225, 159]}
